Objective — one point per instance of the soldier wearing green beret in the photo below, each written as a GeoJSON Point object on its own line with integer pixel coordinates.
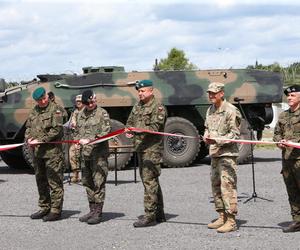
{"type": "Point", "coordinates": [287, 129]}
{"type": "Point", "coordinates": [149, 114]}
{"type": "Point", "coordinates": [222, 121]}
{"type": "Point", "coordinates": [45, 124]}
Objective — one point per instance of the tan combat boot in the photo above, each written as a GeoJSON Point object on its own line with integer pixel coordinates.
{"type": "Point", "coordinates": [219, 222]}
{"type": "Point", "coordinates": [229, 226]}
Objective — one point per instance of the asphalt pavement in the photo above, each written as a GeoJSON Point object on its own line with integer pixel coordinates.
{"type": "Point", "coordinates": [188, 206]}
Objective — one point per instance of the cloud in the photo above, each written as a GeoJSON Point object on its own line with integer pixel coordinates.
{"type": "Point", "coordinates": [50, 37]}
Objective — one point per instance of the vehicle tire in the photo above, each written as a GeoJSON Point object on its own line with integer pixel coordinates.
{"type": "Point", "coordinates": [245, 149]}
{"type": "Point", "coordinates": [14, 158]}
{"type": "Point", "coordinates": [120, 140]}
{"type": "Point", "coordinates": [180, 152]}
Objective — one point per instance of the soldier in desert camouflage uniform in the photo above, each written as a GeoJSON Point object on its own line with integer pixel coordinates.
{"type": "Point", "coordinates": [45, 124]}
{"type": "Point", "coordinates": [288, 129]}
{"type": "Point", "coordinates": [92, 123]}
{"type": "Point", "coordinates": [222, 121]}
{"type": "Point", "coordinates": [74, 151]}
{"type": "Point", "coordinates": [149, 114]}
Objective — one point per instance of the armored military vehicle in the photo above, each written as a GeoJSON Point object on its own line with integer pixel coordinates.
{"type": "Point", "coordinates": [182, 92]}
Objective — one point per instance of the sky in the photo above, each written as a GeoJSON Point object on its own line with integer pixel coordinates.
{"type": "Point", "coordinates": [62, 36]}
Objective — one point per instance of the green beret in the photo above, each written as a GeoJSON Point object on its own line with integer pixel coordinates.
{"type": "Point", "coordinates": [38, 93]}
{"type": "Point", "coordinates": [143, 83]}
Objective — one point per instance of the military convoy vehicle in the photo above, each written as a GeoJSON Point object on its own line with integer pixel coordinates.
{"type": "Point", "coordinates": [182, 92]}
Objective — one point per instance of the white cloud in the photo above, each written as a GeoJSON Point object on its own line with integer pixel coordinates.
{"type": "Point", "coordinates": [48, 37]}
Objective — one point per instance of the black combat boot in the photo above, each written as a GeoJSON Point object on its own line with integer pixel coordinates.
{"type": "Point", "coordinates": [39, 214]}
{"type": "Point", "coordinates": [294, 227]}
{"type": "Point", "coordinates": [52, 217]}
{"type": "Point", "coordinates": [97, 214]}
{"type": "Point", "coordinates": [144, 221]}
{"type": "Point", "coordinates": [85, 217]}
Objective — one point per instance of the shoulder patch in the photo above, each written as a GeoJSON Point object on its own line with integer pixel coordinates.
{"type": "Point", "coordinates": [160, 108]}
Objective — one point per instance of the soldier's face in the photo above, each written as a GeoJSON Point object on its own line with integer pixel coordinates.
{"type": "Point", "coordinates": [43, 101]}
{"type": "Point", "coordinates": [294, 100]}
{"type": "Point", "coordinates": [79, 105]}
{"type": "Point", "coordinates": [92, 104]}
{"type": "Point", "coordinates": [145, 94]}
{"type": "Point", "coordinates": [216, 98]}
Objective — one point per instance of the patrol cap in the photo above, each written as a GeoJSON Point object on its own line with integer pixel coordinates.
{"type": "Point", "coordinates": [291, 89]}
{"type": "Point", "coordinates": [38, 93]}
{"type": "Point", "coordinates": [78, 98]}
{"type": "Point", "coordinates": [87, 96]}
{"type": "Point", "coordinates": [143, 83]}
{"type": "Point", "coordinates": [215, 87]}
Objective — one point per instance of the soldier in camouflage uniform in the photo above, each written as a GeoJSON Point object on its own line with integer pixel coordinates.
{"type": "Point", "coordinates": [45, 124]}
{"type": "Point", "coordinates": [222, 121]}
{"type": "Point", "coordinates": [288, 129]}
{"type": "Point", "coordinates": [74, 151]}
{"type": "Point", "coordinates": [149, 114]}
{"type": "Point", "coordinates": [92, 123]}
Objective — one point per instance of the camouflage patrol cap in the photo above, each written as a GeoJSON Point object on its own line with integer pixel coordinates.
{"type": "Point", "coordinates": [215, 87]}
{"type": "Point", "coordinates": [291, 89]}
{"type": "Point", "coordinates": [143, 83]}
{"type": "Point", "coordinates": [38, 93]}
{"type": "Point", "coordinates": [87, 96]}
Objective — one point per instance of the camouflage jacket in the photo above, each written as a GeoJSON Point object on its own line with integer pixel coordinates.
{"type": "Point", "coordinates": [288, 128]}
{"type": "Point", "coordinates": [149, 116]}
{"type": "Point", "coordinates": [223, 122]}
{"type": "Point", "coordinates": [45, 125]}
{"type": "Point", "coordinates": [91, 125]}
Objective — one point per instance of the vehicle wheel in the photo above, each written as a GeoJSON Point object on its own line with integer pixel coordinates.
{"type": "Point", "coordinates": [120, 140]}
{"type": "Point", "coordinates": [245, 149]}
{"type": "Point", "coordinates": [180, 152]}
{"type": "Point", "coordinates": [14, 158]}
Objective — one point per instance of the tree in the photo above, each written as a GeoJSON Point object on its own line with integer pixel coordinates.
{"type": "Point", "coordinates": [176, 60]}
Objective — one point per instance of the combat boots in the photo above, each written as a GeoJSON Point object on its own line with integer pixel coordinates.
{"type": "Point", "coordinates": [96, 215]}
{"type": "Point", "coordinates": [219, 222]}
{"type": "Point", "coordinates": [51, 217]}
{"type": "Point", "coordinates": [229, 226]}
{"type": "Point", "coordinates": [39, 214]}
{"type": "Point", "coordinates": [144, 221]}
{"type": "Point", "coordinates": [294, 227]}
{"type": "Point", "coordinates": [85, 217]}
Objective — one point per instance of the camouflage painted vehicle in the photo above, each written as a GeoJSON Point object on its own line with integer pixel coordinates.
{"type": "Point", "coordinates": [183, 93]}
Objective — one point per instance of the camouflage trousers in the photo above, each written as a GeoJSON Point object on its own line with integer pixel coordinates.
{"type": "Point", "coordinates": [94, 174]}
{"type": "Point", "coordinates": [149, 168]}
{"type": "Point", "coordinates": [49, 178]}
{"type": "Point", "coordinates": [74, 155]}
{"type": "Point", "coordinates": [291, 176]}
{"type": "Point", "coordinates": [224, 183]}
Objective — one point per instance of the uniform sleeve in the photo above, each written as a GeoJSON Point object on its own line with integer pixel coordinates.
{"type": "Point", "coordinates": [206, 132]}
{"type": "Point", "coordinates": [28, 127]}
{"type": "Point", "coordinates": [278, 130]}
{"type": "Point", "coordinates": [233, 132]}
{"type": "Point", "coordinates": [130, 121]}
{"type": "Point", "coordinates": [55, 131]}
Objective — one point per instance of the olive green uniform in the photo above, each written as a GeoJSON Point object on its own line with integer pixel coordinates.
{"type": "Point", "coordinates": [46, 125]}
{"type": "Point", "coordinates": [224, 123]}
{"type": "Point", "coordinates": [91, 125]}
{"type": "Point", "coordinates": [288, 128]}
{"type": "Point", "coordinates": [149, 147]}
